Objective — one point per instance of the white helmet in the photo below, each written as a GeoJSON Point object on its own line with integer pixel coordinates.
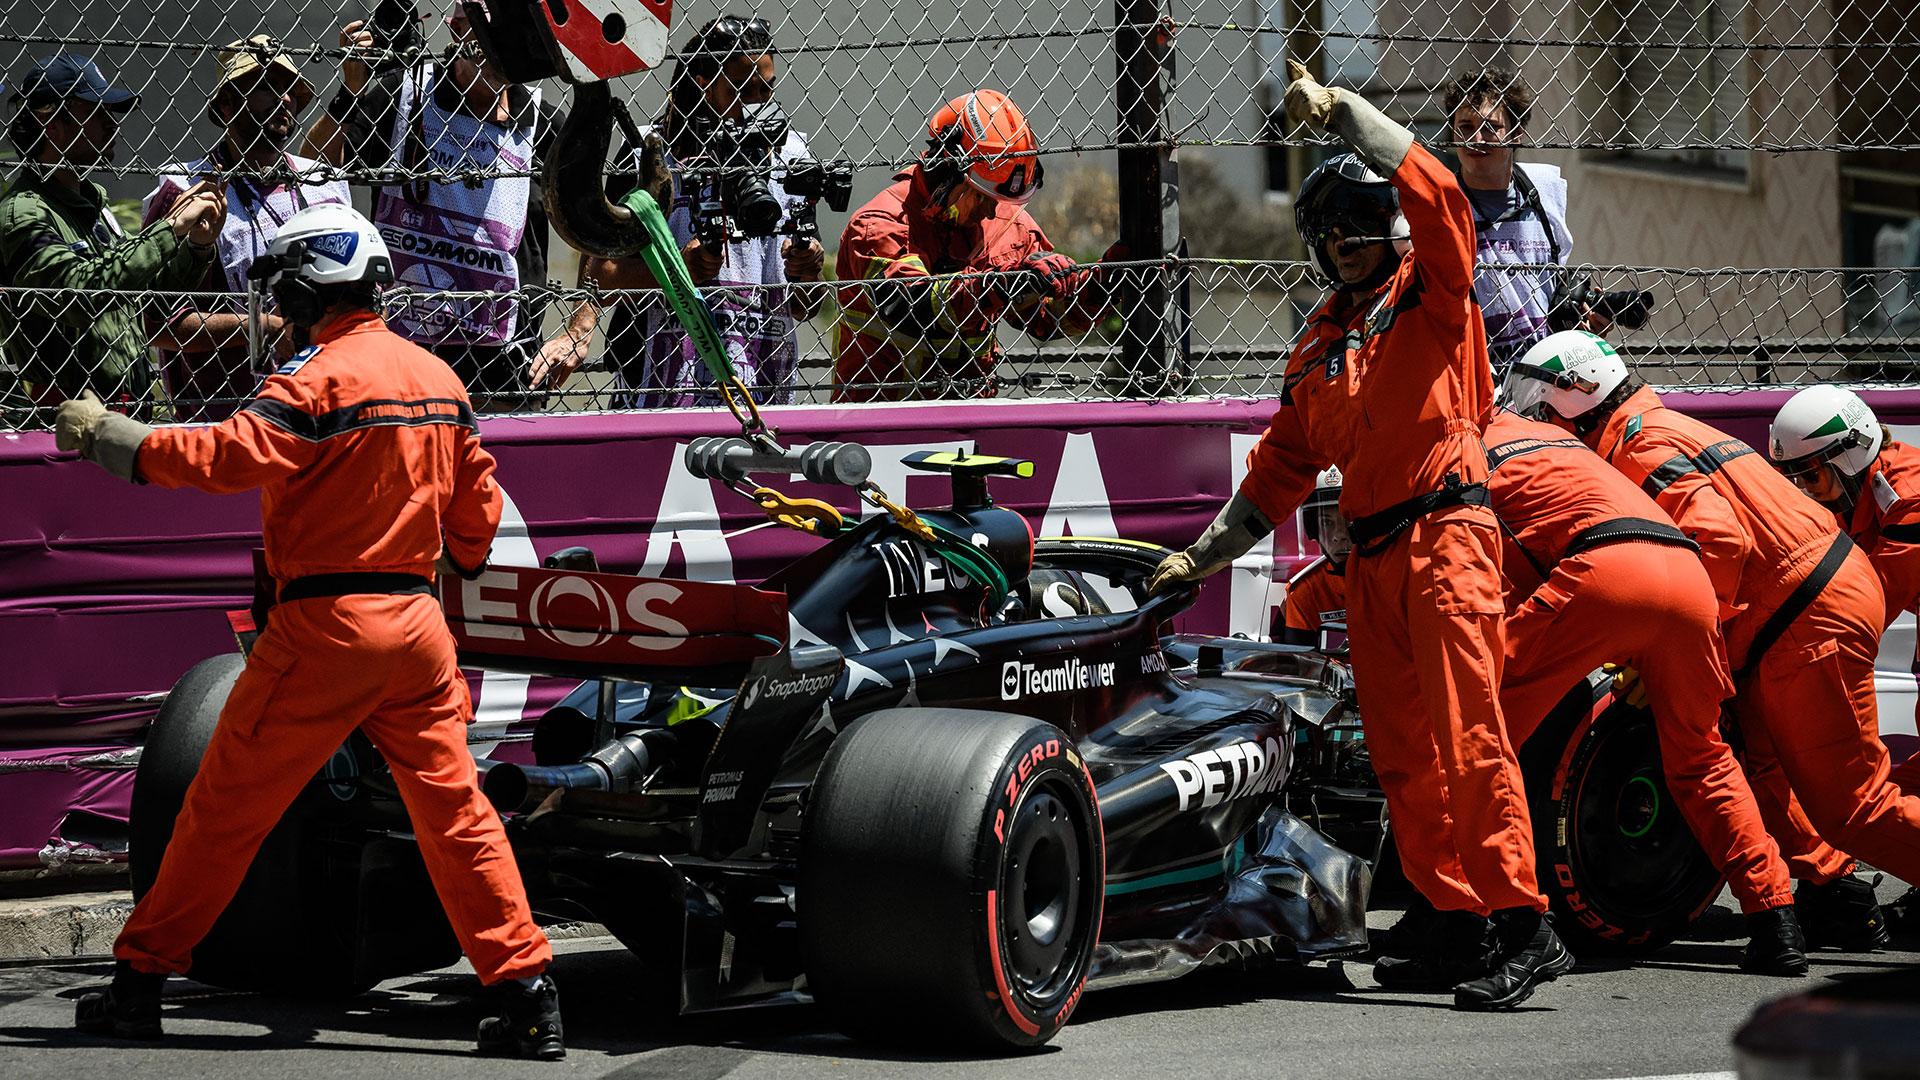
{"type": "Point", "coordinates": [1321, 519]}
{"type": "Point", "coordinates": [329, 244]}
{"type": "Point", "coordinates": [1825, 426]}
{"type": "Point", "coordinates": [336, 246]}
{"type": "Point", "coordinates": [1570, 372]}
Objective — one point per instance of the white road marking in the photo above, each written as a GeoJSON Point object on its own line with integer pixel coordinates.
{"type": "Point", "coordinates": [1685, 1076]}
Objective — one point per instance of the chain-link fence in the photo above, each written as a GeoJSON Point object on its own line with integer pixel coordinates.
{"type": "Point", "coordinates": [1693, 134]}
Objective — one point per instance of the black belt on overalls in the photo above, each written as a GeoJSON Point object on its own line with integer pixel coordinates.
{"type": "Point", "coordinates": [354, 584]}
{"type": "Point", "coordinates": [1803, 595]}
{"type": "Point", "coordinates": [1372, 534]}
{"type": "Point", "coordinates": [1611, 531]}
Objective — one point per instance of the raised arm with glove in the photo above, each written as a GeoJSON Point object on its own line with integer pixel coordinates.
{"type": "Point", "coordinates": [1238, 527]}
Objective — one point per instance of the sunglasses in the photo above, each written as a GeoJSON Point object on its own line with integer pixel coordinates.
{"type": "Point", "coordinates": [730, 31]}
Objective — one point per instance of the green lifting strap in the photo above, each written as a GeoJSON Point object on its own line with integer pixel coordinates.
{"type": "Point", "coordinates": [662, 257]}
{"type": "Point", "coordinates": [972, 562]}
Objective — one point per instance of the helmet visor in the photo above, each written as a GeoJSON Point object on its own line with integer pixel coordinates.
{"type": "Point", "coordinates": [1013, 183]}
{"type": "Point", "coordinates": [1805, 469]}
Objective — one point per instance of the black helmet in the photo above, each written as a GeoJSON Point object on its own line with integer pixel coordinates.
{"type": "Point", "coordinates": [1341, 191]}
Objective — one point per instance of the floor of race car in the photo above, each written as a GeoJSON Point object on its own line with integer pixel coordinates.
{"type": "Point", "coordinates": [1669, 1016]}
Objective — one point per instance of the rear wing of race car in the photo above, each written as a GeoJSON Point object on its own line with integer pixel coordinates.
{"type": "Point", "coordinates": [594, 625]}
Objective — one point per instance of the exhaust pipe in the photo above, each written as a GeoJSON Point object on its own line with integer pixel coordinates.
{"type": "Point", "coordinates": [617, 766]}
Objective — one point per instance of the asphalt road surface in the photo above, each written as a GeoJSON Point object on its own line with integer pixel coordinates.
{"type": "Point", "coordinates": [1668, 1016]}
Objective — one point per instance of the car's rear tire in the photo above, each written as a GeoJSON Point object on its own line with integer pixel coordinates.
{"type": "Point", "coordinates": [1617, 861]}
{"type": "Point", "coordinates": [951, 879]}
{"type": "Point", "coordinates": [299, 923]}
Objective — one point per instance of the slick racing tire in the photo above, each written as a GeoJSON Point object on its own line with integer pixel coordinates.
{"type": "Point", "coordinates": [1616, 859]}
{"type": "Point", "coordinates": [951, 879]}
{"type": "Point", "coordinates": [291, 928]}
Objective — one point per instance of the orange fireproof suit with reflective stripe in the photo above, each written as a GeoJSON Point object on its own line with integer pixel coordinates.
{"type": "Point", "coordinates": [1394, 388]}
{"type": "Point", "coordinates": [1805, 706]}
{"type": "Point", "coordinates": [1637, 599]}
{"type": "Point", "coordinates": [1315, 596]}
{"type": "Point", "coordinates": [917, 305]}
{"type": "Point", "coordinates": [1886, 524]}
{"type": "Point", "coordinates": [368, 460]}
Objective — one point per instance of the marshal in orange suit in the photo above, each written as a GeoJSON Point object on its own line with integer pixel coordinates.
{"type": "Point", "coordinates": [1390, 382]}
{"type": "Point", "coordinates": [371, 471]}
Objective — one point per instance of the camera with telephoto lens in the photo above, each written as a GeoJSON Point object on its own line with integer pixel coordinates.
{"type": "Point", "coordinates": [729, 176]}
{"type": "Point", "coordinates": [396, 26]}
{"type": "Point", "coordinates": [1628, 307]}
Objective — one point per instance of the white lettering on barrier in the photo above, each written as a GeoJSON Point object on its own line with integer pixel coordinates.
{"type": "Point", "coordinates": [690, 519]}
{"type": "Point", "coordinates": [1079, 505]}
{"type": "Point", "coordinates": [1254, 594]}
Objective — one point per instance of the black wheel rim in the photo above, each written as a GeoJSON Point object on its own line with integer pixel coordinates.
{"type": "Point", "coordinates": [1632, 853]}
{"type": "Point", "coordinates": [1044, 894]}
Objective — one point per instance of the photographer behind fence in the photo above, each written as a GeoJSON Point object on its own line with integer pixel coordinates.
{"type": "Point", "coordinates": [482, 229]}
{"type": "Point", "coordinates": [205, 345]}
{"type": "Point", "coordinates": [57, 233]}
{"type": "Point", "coordinates": [745, 193]}
{"type": "Point", "coordinates": [1520, 219]}
{"type": "Point", "coordinates": [931, 265]}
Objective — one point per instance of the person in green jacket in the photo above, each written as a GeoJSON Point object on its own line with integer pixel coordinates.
{"type": "Point", "coordinates": [58, 233]}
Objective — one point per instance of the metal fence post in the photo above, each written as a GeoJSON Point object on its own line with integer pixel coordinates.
{"type": "Point", "coordinates": [1141, 46]}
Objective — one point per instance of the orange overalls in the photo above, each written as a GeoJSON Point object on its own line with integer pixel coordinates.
{"type": "Point", "coordinates": [368, 461]}
{"type": "Point", "coordinates": [1805, 704]}
{"type": "Point", "coordinates": [945, 330]}
{"type": "Point", "coordinates": [1395, 388]}
{"type": "Point", "coordinates": [1315, 596]}
{"type": "Point", "coordinates": [1599, 573]}
{"type": "Point", "coordinates": [1886, 525]}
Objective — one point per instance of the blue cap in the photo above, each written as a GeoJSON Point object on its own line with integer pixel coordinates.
{"type": "Point", "coordinates": [57, 78]}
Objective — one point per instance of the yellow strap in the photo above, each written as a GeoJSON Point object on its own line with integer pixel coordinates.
{"type": "Point", "coordinates": [902, 516]}
{"type": "Point", "coordinates": [806, 515]}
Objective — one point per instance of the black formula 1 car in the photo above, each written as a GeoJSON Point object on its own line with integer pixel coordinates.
{"type": "Point", "coordinates": [936, 775]}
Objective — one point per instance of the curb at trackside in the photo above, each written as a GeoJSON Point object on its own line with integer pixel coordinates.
{"type": "Point", "coordinates": [62, 927]}
{"type": "Point", "coordinates": [83, 926]}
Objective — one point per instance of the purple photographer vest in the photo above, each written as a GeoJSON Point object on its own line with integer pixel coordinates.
{"type": "Point", "coordinates": [461, 237]}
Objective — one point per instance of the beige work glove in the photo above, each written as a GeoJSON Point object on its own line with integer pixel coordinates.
{"type": "Point", "coordinates": [105, 438]}
{"type": "Point", "coordinates": [1239, 526]}
{"type": "Point", "coordinates": [1308, 102]}
{"type": "Point", "coordinates": [1176, 569]}
{"type": "Point", "coordinates": [1627, 684]}
{"type": "Point", "coordinates": [74, 424]}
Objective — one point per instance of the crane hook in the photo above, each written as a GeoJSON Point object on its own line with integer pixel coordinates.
{"type": "Point", "coordinates": [575, 176]}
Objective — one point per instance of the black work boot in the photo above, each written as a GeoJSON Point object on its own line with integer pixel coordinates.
{"type": "Point", "coordinates": [1777, 946]}
{"type": "Point", "coordinates": [1458, 947]}
{"type": "Point", "coordinates": [1843, 914]}
{"type": "Point", "coordinates": [529, 1026]}
{"type": "Point", "coordinates": [1903, 917]}
{"type": "Point", "coordinates": [1526, 953]}
{"type": "Point", "coordinates": [127, 1009]}
{"type": "Point", "coordinates": [1411, 936]}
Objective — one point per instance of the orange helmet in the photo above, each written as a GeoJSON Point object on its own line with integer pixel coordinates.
{"type": "Point", "coordinates": [984, 137]}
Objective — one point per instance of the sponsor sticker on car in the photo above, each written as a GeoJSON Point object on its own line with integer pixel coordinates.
{"type": "Point", "coordinates": [1225, 773]}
